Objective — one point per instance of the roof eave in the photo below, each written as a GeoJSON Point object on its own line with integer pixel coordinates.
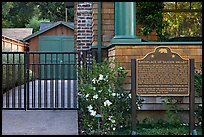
{"type": "Point", "coordinates": [46, 29]}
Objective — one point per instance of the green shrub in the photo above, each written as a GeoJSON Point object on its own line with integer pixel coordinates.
{"type": "Point", "coordinates": [101, 92]}
{"type": "Point", "coordinates": [198, 89]}
{"type": "Point", "coordinates": [173, 116]}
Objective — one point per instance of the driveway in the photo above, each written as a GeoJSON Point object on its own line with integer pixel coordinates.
{"type": "Point", "coordinates": [39, 122]}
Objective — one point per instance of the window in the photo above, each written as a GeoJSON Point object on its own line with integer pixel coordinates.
{"type": "Point", "coordinates": [184, 19]}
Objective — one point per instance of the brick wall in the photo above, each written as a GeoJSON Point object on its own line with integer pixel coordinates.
{"type": "Point", "coordinates": [82, 25]}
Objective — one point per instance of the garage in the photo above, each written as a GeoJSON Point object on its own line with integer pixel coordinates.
{"type": "Point", "coordinates": [56, 37]}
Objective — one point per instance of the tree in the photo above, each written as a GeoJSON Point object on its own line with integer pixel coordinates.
{"type": "Point", "coordinates": [185, 23]}
{"type": "Point", "coordinates": [20, 14]}
{"type": "Point", "coordinates": [17, 14]}
{"type": "Point", "coordinates": [6, 7]}
{"type": "Point", "coordinates": [54, 11]}
{"type": "Point", "coordinates": [35, 23]}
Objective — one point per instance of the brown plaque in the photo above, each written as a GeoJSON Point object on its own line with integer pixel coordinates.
{"type": "Point", "coordinates": [162, 73]}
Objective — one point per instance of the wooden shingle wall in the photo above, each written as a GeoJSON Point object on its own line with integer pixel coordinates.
{"type": "Point", "coordinates": [124, 54]}
{"type": "Point", "coordinates": [13, 45]}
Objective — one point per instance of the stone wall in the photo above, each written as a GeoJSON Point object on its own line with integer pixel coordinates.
{"type": "Point", "coordinates": [82, 25]}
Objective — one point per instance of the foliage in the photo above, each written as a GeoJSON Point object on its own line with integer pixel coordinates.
{"type": "Point", "coordinates": [173, 116]}
{"type": "Point", "coordinates": [35, 23]}
{"type": "Point", "coordinates": [11, 78]}
{"type": "Point", "coordinates": [101, 92]}
{"type": "Point", "coordinates": [149, 14]}
{"type": "Point", "coordinates": [158, 128]}
{"type": "Point", "coordinates": [183, 23]}
{"type": "Point", "coordinates": [169, 24]}
{"type": "Point", "coordinates": [198, 82]}
{"type": "Point", "coordinates": [54, 11]}
{"type": "Point", "coordinates": [198, 88]}
{"type": "Point", "coordinates": [18, 14]}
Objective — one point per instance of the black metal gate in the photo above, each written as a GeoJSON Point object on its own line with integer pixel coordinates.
{"type": "Point", "coordinates": [41, 80]}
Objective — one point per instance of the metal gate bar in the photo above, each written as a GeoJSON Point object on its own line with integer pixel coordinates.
{"type": "Point", "coordinates": [30, 79]}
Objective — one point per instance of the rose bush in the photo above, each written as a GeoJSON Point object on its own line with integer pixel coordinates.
{"type": "Point", "coordinates": [101, 92]}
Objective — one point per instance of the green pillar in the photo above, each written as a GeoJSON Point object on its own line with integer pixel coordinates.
{"type": "Point", "coordinates": [125, 23]}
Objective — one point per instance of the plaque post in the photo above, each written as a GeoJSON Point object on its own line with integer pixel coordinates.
{"type": "Point", "coordinates": [133, 95]}
{"type": "Point", "coordinates": [191, 99]}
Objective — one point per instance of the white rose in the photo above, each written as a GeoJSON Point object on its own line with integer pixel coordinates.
{"type": "Point", "coordinates": [87, 95]}
{"type": "Point", "coordinates": [113, 94]}
{"type": "Point", "coordinates": [94, 80]}
{"type": "Point", "coordinates": [113, 121]}
{"type": "Point", "coordinates": [129, 95]}
{"type": "Point", "coordinates": [93, 113]}
{"type": "Point", "coordinates": [107, 103]}
{"type": "Point", "coordinates": [95, 96]}
{"type": "Point", "coordinates": [90, 107]}
{"type": "Point", "coordinates": [100, 77]}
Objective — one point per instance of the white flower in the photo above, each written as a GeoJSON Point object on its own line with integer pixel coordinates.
{"type": "Point", "coordinates": [79, 94]}
{"type": "Point", "coordinates": [110, 117]}
{"type": "Point", "coordinates": [184, 124]}
{"type": "Point", "coordinates": [95, 96]}
{"type": "Point", "coordinates": [113, 94]}
{"type": "Point", "coordinates": [100, 77]}
{"type": "Point", "coordinates": [87, 95]}
{"type": "Point", "coordinates": [107, 103]}
{"type": "Point", "coordinates": [100, 91]}
{"type": "Point", "coordinates": [129, 95]}
{"type": "Point", "coordinates": [139, 107]}
{"type": "Point", "coordinates": [90, 107]}
{"type": "Point", "coordinates": [113, 121]}
{"type": "Point", "coordinates": [200, 105]}
{"type": "Point", "coordinates": [94, 80]}
{"type": "Point", "coordinates": [94, 88]}
{"type": "Point", "coordinates": [196, 124]}
{"type": "Point", "coordinates": [114, 129]}
{"type": "Point", "coordinates": [93, 113]}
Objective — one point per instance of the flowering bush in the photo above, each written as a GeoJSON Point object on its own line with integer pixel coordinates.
{"type": "Point", "coordinates": [101, 92]}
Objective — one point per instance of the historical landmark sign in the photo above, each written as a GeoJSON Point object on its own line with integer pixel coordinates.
{"type": "Point", "coordinates": [162, 73]}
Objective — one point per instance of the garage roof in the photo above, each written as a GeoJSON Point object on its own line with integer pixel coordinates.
{"type": "Point", "coordinates": [17, 33]}
{"type": "Point", "coordinates": [48, 28]}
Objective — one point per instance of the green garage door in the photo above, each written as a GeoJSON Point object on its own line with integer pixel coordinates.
{"type": "Point", "coordinates": [58, 66]}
